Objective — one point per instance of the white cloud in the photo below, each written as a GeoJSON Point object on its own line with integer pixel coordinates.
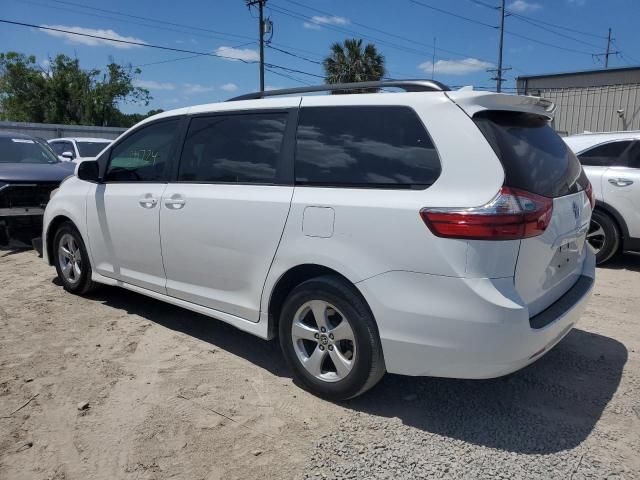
{"type": "Point", "coordinates": [311, 26]}
{"type": "Point", "coordinates": [522, 6]}
{"type": "Point", "coordinates": [579, 3]}
{"type": "Point", "coordinates": [318, 20]}
{"type": "Point", "coordinates": [246, 54]}
{"type": "Point", "coordinates": [90, 41]}
{"type": "Point", "coordinates": [229, 87]}
{"type": "Point", "coordinates": [153, 85]}
{"type": "Point", "coordinates": [193, 88]}
{"type": "Point", "coordinates": [455, 67]}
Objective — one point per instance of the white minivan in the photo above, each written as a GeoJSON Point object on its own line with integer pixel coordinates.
{"type": "Point", "coordinates": [424, 232]}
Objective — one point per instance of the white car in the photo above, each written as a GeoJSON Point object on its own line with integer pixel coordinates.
{"type": "Point", "coordinates": [612, 163]}
{"type": "Point", "coordinates": [77, 149]}
{"type": "Point", "coordinates": [427, 232]}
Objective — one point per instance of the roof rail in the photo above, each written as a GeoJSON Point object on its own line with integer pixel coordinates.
{"type": "Point", "coordinates": [406, 85]}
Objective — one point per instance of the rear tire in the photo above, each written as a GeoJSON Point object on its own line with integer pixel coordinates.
{"type": "Point", "coordinates": [603, 236]}
{"type": "Point", "coordinates": [71, 260]}
{"type": "Point", "coordinates": [340, 356]}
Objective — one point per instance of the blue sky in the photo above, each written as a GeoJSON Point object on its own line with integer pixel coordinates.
{"type": "Point", "coordinates": [402, 30]}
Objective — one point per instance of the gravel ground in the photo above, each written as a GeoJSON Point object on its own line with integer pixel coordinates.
{"type": "Point", "coordinates": [118, 385]}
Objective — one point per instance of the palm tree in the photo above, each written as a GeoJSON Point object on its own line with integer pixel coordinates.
{"type": "Point", "coordinates": [348, 62]}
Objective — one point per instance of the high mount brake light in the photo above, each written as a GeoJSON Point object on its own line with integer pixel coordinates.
{"type": "Point", "coordinates": [512, 215]}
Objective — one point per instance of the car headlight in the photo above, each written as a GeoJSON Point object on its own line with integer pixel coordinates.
{"type": "Point", "coordinates": [53, 192]}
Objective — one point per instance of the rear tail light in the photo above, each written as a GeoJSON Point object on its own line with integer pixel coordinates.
{"type": "Point", "coordinates": [589, 191]}
{"type": "Point", "coordinates": [512, 215]}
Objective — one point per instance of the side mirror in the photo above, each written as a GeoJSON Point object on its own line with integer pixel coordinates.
{"type": "Point", "coordinates": [88, 171]}
{"type": "Point", "coordinates": [67, 155]}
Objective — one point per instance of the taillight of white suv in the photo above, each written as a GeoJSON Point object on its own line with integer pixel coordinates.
{"type": "Point", "coordinates": [512, 215]}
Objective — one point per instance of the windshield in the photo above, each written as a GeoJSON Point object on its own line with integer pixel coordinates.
{"type": "Point", "coordinates": [24, 150]}
{"type": "Point", "coordinates": [90, 149]}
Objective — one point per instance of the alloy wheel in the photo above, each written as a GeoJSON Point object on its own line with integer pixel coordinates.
{"type": "Point", "coordinates": [70, 259]}
{"type": "Point", "coordinates": [596, 236]}
{"type": "Point", "coordinates": [323, 341]}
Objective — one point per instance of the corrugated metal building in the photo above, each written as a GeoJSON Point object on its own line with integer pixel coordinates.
{"type": "Point", "coordinates": [54, 130]}
{"type": "Point", "coordinates": [595, 100]}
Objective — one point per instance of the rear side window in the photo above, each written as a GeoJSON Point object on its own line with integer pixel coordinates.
{"type": "Point", "coordinates": [607, 155]}
{"type": "Point", "coordinates": [240, 148]}
{"type": "Point", "coordinates": [533, 155]}
{"type": "Point", "coordinates": [384, 147]}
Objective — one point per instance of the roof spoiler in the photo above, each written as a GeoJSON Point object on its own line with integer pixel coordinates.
{"type": "Point", "coordinates": [474, 102]}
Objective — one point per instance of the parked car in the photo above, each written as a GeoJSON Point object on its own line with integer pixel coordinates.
{"type": "Point", "coordinates": [427, 232]}
{"type": "Point", "coordinates": [29, 171]}
{"type": "Point", "coordinates": [612, 163]}
{"type": "Point", "coordinates": [77, 149]}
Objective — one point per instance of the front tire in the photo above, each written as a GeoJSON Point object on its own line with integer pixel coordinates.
{"type": "Point", "coordinates": [330, 339]}
{"type": "Point", "coordinates": [71, 260]}
{"type": "Point", "coordinates": [603, 236]}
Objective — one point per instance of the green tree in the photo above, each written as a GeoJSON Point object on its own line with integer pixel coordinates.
{"type": "Point", "coordinates": [65, 93]}
{"type": "Point", "coordinates": [349, 62]}
{"type": "Point", "coordinates": [23, 87]}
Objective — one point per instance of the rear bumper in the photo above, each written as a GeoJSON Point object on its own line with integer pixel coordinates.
{"type": "Point", "coordinates": [466, 328]}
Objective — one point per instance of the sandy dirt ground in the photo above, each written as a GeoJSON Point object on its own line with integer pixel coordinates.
{"type": "Point", "coordinates": [172, 394]}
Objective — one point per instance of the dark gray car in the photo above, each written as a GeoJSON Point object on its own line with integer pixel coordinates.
{"type": "Point", "coordinates": [29, 171]}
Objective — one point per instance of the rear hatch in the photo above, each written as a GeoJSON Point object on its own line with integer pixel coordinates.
{"type": "Point", "coordinates": [536, 160]}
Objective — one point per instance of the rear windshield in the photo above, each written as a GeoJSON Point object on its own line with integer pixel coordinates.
{"type": "Point", "coordinates": [533, 155]}
{"type": "Point", "coordinates": [91, 149]}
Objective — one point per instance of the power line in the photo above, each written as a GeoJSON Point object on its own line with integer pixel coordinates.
{"type": "Point", "coordinates": [156, 20]}
{"type": "Point", "coordinates": [300, 16]}
{"type": "Point", "coordinates": [551, 45]}
{"type": "Point", "coordinates": [219, 36]}
{"type": "Point", "coordinates": [290, 77]}
{"type": "Point", "coordinates": [522, 18]}
{"type": "Point", "coordinates": [452, 14]}
{"type": "Point", "coordinates": [159, 47]}
{"type": "Point", "coordinates": [294, 55]}
{"type": "Point", "coordinates": [191, 27]}
{"type": "Point", "coordinates": [384, 32]}
{"type": "Point", "coordinates": [127, 42]}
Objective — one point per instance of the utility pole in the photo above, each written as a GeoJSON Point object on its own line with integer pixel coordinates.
{"type": "Point", "coordinates": [261, 27]}
{"type": "Point", "coordinates": [608, 52]}
{"type": "Point", "coordinates": [499, 78]}
{"type": "Point", "coordinates": [433, 60]}
{"type": "Point", "coordinates": [606, 55]}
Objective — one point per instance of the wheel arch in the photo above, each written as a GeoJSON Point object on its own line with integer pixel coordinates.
{"type": "Point", "coordinates": [617, 218]}
{"type": "Point", "coordinates": [290, 279]}
{"type": "Point", "coordinates": [53, 226]}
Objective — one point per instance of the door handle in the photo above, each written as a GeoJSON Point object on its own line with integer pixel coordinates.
{"type": "Point", "coordinates": [620, 182]}
{"type": "Point", "coordinates": [148, 201]}
{"type": "Point", "coordinates": [175, 202]}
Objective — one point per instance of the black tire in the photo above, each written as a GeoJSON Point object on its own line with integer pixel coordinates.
{"type": "Point", "coordinates": [607, 243]}
{"type": "Point", "coordinates": [368, 365]}
{"type": "Point", "coordinates": [83, 283]}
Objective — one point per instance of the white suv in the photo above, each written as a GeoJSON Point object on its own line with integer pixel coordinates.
{"type": "Point", "coordinates": [426, 232]}
{"type": "Point", "coordinates": [612, 164]}
{"type": "Point", "coordinates": [78, 149]}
